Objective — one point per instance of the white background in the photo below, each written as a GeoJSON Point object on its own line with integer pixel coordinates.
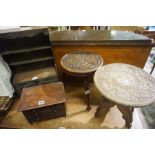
{"type": "Point", "coordinates": [77, 13]}
{"type": "Point", "coordinates": [77, 142]}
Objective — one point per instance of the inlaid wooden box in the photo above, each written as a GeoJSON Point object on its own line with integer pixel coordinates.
{"type": "Point", "coordinates": [43, 102]}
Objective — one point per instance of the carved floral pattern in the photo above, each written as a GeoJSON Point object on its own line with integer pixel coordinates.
{"type": "Point", "coordinates": [81, 62]}
{"type": "Point", "coordinates": [125, 84]}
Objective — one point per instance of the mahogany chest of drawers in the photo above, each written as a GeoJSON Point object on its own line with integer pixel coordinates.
{"type": "Point", "coordinates": [43, 102]}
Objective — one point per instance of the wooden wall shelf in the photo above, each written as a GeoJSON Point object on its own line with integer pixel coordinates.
{"type": "Point", "coordinates": [28, 54]}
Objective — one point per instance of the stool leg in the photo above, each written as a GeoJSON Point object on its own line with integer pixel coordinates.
{"type": "Point", "coordinates": [152, 68]}
{"type": "Point", "coordinates": [104, 107]}
{"type": "Point", "coordinates": [87, 92]}
{"type": "Point", "coordinates": [127, 114]}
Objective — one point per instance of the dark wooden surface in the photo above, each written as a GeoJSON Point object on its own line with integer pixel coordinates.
{"type": "Point", "coordinates": [98, 37]}
{"type": "Point", "coordinates": [23, 39]}
{"type": "Point", "coordinates": [44, 113]}
{"type": "Point", "coordinates": [52, 93]}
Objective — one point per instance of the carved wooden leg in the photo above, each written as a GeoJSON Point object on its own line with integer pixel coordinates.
{"type": "Point", "coordinates": [127, 114]}
{"type": "Point", "coordinates": [131, 116]}
{"type": "Point", "coordinates": [100, 107]}
{"type": "Point", "coordinates": [87, 92]}
{"type": "Point", "coordinates": [104, 107]}
{"type": "Point", "coordinates": [152, 68]}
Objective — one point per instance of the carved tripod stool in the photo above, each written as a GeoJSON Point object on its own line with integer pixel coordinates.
{"type": "Point", "coordinates": [126, 86]}
{"type": "Point", "coordinates": [81, 64]}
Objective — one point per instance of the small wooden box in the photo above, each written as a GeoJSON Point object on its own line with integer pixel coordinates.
{"type": "Point", "coordinates": [43, 102]}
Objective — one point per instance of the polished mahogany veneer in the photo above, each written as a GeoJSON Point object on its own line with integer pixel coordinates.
{"type": "Point", "coordinates": [113, 46]}
{"type": "Point", "coordinates": [43, 102]}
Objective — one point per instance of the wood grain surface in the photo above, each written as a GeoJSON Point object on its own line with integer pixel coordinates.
{"type": "Point", "coordinates": [50, 94]}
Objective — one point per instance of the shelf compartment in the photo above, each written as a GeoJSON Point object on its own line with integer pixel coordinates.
{"type": "Point", "coordinates": [26, 50]}
{"type": "Point", "coordinates": [27, 56]}
{"type": "Point", "coordinates": [39, 73]}
{"type": "Point", "coordinates": [28, 79]}
{"type": "Point", "coordinates": [30, 61]}
{"type": "Point", "coordinates": [32, 66]}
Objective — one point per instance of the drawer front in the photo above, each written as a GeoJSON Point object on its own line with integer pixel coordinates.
{"type": "Point", "coordinates": [49, 112]}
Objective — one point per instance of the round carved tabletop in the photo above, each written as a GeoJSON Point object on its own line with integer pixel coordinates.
{"type": "Point", "coordinates": [81, 62]}
{"type": "Point", "coordinates": [125, 84]}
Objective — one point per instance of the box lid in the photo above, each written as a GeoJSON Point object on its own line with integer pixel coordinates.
{"type": "Point", "coordinates": [41, 96]}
